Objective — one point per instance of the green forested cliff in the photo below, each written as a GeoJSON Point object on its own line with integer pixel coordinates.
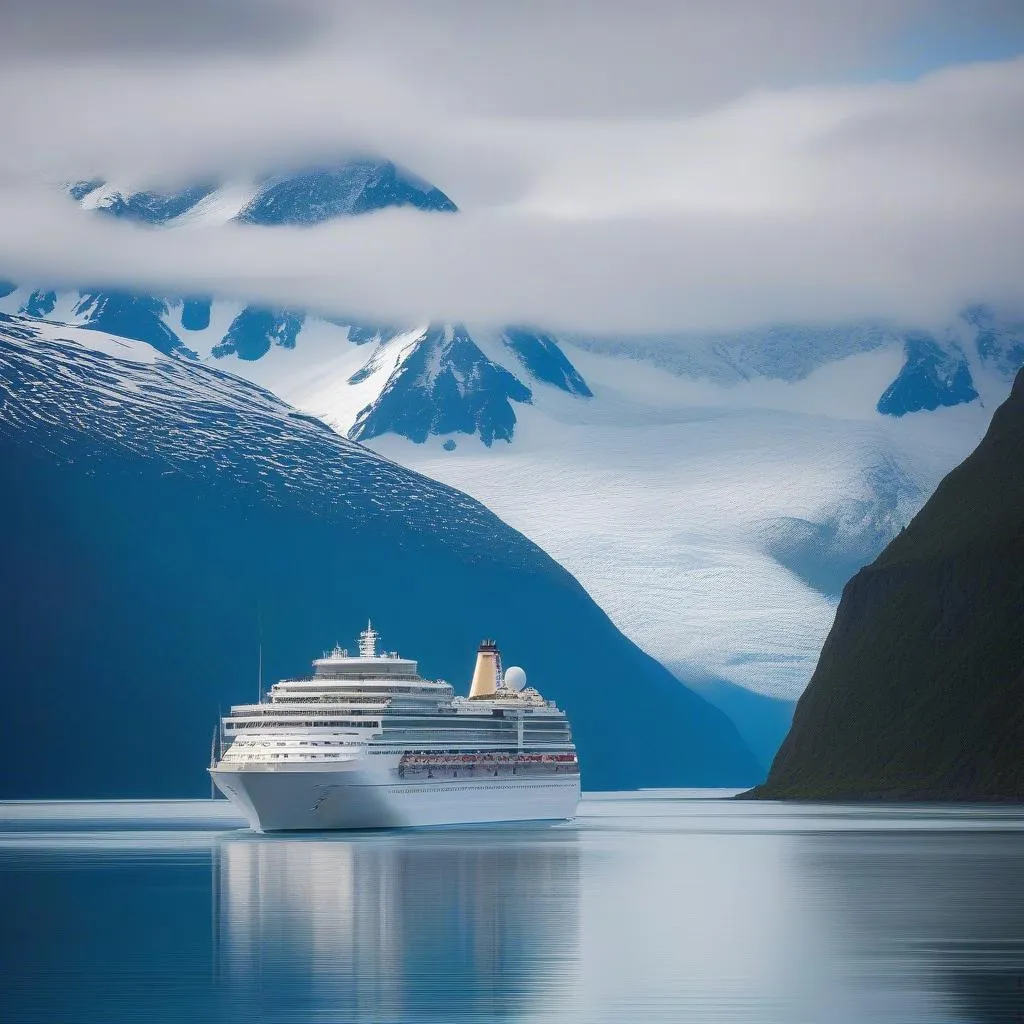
{"type": "Point", "coordinates": [919, 690]}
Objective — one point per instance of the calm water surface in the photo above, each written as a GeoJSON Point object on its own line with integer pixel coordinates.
{"type": "Point", "coordinates": [650, 907]}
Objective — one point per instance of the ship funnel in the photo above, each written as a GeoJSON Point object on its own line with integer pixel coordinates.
{"type": "Point", "coordinates": [487, 673]}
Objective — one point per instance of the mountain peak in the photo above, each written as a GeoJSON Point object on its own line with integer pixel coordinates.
{"type": "Point", "coordinates": [932, 376]}
{"type": "Point", "coordinates": [443, 384]}
{"type": "Point", "coordinates": [319, 194]}
{"type": "Point", "coordinates": [303, 196]}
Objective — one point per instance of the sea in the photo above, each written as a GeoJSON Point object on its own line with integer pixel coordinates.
{"type": "Point", "coordinates": [662, 906]}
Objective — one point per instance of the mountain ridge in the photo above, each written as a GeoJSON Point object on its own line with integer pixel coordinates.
{"type": "Point", "coordinates": [748, 578]}
{"type": "Point", "coordinates": [306, 195]}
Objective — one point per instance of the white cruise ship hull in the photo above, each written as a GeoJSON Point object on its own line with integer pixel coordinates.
{"type": "Point", "coordinates": [344, 796]}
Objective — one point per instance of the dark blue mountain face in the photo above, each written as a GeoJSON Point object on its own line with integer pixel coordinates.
{"type": "Point", "coordinates": [195, 314]}
{"type": "Point", "coordinates": [363, 334]}
{"type": "Point", "coordinates": [361, 186]}
{"type": "Point", "coordinates": [540, 355]}
{"type": "Point", "coordinates": [932, 376]}
{"type": "Point", "coordinates": [7, 288]}
{"type": "Point", "coordinates": [40, 303]}
{"type": "Point", "coordinates": [80, 189]}
{"type": "Point", "coordinates": [139, 317]}
{"type": "Point", "coordinates": [255, 329]}
{"type": "Point", "coordinates": [164, 510]}
{"type": "Point", "coordinates": [156, 207]}
{"type": "Point", "coordinates": [446, 386]}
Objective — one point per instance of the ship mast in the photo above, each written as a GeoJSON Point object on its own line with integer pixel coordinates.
{"type": "Point", "coordinates": [259, 670]}
{"type": "Point", "coordinates": [368, 641]}
{"type": "Point", "coordinates": [213, 755]}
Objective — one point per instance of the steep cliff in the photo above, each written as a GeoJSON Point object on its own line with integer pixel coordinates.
{"type": "Point", "coordinates": [919, 691]}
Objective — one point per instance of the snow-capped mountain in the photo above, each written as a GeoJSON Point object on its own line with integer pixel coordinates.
{"type": "Point", "coordinates": [168, 519]}
{"type": "Point", "coordinates": [933, 375]}
{"type": "Point", "coordinates": [713, 492]}
{"type": "Point", "coordinates": [419, 382]}
{"type": "Point", "coordinates": [309, 195]}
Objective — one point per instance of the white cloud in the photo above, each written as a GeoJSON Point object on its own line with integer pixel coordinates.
{"type": "Point", "coordinates": [619, 167]}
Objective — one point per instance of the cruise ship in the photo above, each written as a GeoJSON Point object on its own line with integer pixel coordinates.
{"type": "Point", "coordinates": [366, 742]}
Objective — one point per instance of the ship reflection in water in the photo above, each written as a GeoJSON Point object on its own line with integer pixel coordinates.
{"type": "Point", "coordinates": [474, 922]}
{"type": "Point", "coordinates": [651, 907]}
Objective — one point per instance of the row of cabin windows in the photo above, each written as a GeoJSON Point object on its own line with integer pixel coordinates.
{"type": "Point", "coordinates": [272, 709]}
{"type": "Point", "coordinates": [496, 729]}
{"type": "Point", "coordinates": [277, 757]}
{"type": "Point", "coordinates": [402, 715]}
{"type": "Point", "coordinates": [394, 735]}
{"type": "Point", "coordinates": [447, 737]}
{"type": "Point", "coordinates": [374, 685]}
{"type": "Point", "coordinates": [304, 755]}
{"type": "Point", "coordinates": [464, 731]}
{"type": "Point", "coordinates": [401, 719]}
{"type": "Point", "coordinates": [324, 698]}
{"type": "Point", "coordinates": [512, 750]}
{"type": "Point", "coordinates": [443, 722]}
{"type": "Point", "coordinates": [414, 788]}
{"type": "Point", "coordinates": [433, 726]}
{"type": "Point", "coordinates": [256, 744]}
{"type": "Point", "coordinates": [263, 725]}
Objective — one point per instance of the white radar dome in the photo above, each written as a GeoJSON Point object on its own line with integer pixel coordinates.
{"type": "Point", "coordinates": [515, 678]}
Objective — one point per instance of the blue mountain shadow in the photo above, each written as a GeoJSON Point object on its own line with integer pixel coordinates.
{"type": "Point", "coordinates": [40, 303]}
{"type": "Point", "coordinates": [256, 329]}
{"type": "Point", "coordinates": [932, 376]}
{"type": "Point", "coordinates": [151, 559]}
{"type": "Point", "coordinates": [761, 721]}
{"type": "Point", "coordinates": [139, 317]}
{"type": "Point", "coordinates": [540, 355]}
{"type": "Point", "coordinates": [195, 314]}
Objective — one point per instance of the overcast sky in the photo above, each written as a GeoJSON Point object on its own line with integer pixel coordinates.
{"type": "Point", "coordinates": [640, 166]}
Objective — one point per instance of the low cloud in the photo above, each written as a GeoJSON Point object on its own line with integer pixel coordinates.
{"type": "Point", "coordinates": [614, 173]}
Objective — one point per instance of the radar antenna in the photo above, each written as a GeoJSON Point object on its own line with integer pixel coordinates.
{"type": "Point", "coordinates": [368, 641]}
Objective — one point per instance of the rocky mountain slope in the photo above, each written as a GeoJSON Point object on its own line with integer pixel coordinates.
{"type": "Point", "coordinates": [161, 515]}
{"type": "Point", "coordinates": [919, 692]}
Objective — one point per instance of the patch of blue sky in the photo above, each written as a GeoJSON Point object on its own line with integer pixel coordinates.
{"type": "Point", "coordinates": [923, 48]}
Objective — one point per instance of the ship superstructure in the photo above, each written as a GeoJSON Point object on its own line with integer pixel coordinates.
{"type": "Point", "coordinates": [366, 742]}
